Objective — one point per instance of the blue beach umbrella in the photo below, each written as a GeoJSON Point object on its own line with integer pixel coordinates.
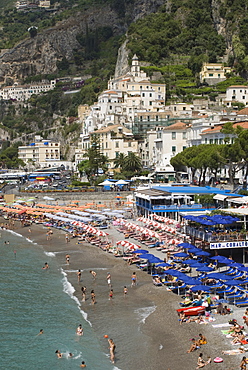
{"type": "Point", "coordinates": [155, 260]}
{"type": "Point", "coordinates": [204, 269]}
{"type": "Point", "coordinates": [242, 268]}
{"type": "Point", "coordinates": [173, 272]}
{"type": "Point", "coordinates": [233, 282]}
{"type": "Point", "coordinates": [218, 276]}
{"type": "Point", "coordinates": [202, 253]}
{"type": "Point", "coordinates": [163, 264]}
{"type": "Point", "coordinates": [193, 250]}
{"type": "Point", "coordinates": [181, 254]}
{"type": "Point", "coordinates": [196, 265]}
{"type": "Point", "coordinates": [189, 261]}
{"type": "Point", "coordinates": [203, 288]}
{"type": "Point", "coordinates": [186, 245]}
{"type": "Point", "coordinates": [146, 256]}
{"type": "Point", "coordinates": [140, 251]}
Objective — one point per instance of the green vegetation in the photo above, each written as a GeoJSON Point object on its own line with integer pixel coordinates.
{"type": "Point", "coordinates": [9, 156]}
{"type": "Point", "coordinates": [213, 157]}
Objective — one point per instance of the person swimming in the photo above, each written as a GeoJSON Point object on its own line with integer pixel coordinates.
{"type": "Point", "coordinates": [79, 330]}
{"type": "Point", "coordinates": [58, 353]}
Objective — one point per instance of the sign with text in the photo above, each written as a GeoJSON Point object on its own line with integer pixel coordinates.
{"type": "Point", "coordinates": [227, 245]}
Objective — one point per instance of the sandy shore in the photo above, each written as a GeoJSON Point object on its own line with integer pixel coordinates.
{"type": "Point", "coordinates": [159, 341]}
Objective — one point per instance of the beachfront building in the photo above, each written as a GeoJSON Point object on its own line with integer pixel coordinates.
{"type": "Point", "coordinates": [24, 92]}
{"type": "Point", "coordinates": [113, 139]}
{"type": "Point", "coordinates": [236, 93]}
{"type": "Point", "coordinates": [40, 151]}
{"type": "Point", "coordinates": [169, 200]}
{"type": "Point", "coordinates": [212, 73]}
{"type": "Point", "coordinates": [170, 141]}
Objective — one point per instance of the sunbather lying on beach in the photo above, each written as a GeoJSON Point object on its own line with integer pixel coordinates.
{"type": "Point", "coordinates": [234, 351]}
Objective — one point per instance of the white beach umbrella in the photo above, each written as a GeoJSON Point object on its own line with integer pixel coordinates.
{"type": "Point", "coordinates": [106, 182]}
{"type": "Point", "coordinates": [121, 182]}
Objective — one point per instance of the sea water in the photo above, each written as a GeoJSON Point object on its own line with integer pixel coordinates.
{"type": "Point", "coordinates": [32, 298]}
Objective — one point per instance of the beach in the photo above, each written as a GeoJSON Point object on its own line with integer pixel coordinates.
{"type": "Point", "coordinates": [144, 325]}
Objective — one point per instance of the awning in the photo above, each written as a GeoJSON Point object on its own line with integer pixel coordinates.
{"type": "Point", "coordinates": [220, 197]}
{"type": "Point", "coordinates": [240, 200]}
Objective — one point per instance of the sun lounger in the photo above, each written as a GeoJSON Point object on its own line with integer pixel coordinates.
{"type": "Point", "coordinates": [242, 303]}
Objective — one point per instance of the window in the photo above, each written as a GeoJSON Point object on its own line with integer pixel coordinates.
{"type": "Point", "coordinates": [184, 108]}
{"type": "Point", "coordinates": [117, 144]}
{"type": "Point", "coordinates": [129, 144]}
{"type": "Point", "coordinates": [241, 91]}
{"type": "Point", "coordinates": [184, 135]}
{"type": "Point", "coordinates": [110, 107]}
{"type": "Point", "coordinates": [143, 94]}
{"type": "Point", "coordinates": [141, 118]}
{"type": "Point", "coordinates": [148, 118]}
{"type": "Point", "coordinates": [106, 145]}
{"type": "Point", "coordinates": [150, 103]}
{"type": "Point", "coordinates": [206, 140]}
{"type": "Point", "coordinates": [210, 74]}
{"type": "Point", "coordinates": [211, 141]}
{"type": "Point", "coordinates": [173, 149]}
{"type": "Point", "coordinates": [150, 95]}
{"type": "Point", "coordinates": [234, 92]}
{"type": "Point", "coordinates": [216, 141]}
{"type": "Point", "coordinates": [173, 135]}
{"type": "Point", "coordinates": [175, 108]}
{"type": "Point", "coordinates": [117, 154]}
{"type": "Point", "coordinates": [156, 118]}
{"type": "Point", "coordinates": [243, 97]}
{"type": "Point", "coordinates": [233, 97]}
{"type": "Point", "coordinates": [184, 147]}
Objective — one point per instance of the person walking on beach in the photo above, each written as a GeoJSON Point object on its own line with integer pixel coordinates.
{"type": "Point", "coordinates": [112, 348]}
{"type": "Point", "coordinates": [125, 291]}
{"type": "Point", "coordinates": [93, 297]}
{"type": "Point", "coordinates": [93, 273]}
{"type": "Point", "coordinates": [67, 258]}
{"type": "Point", "coordinates": [134, 279]}
{"type": "Point", "coordinates": [83, 289]}
{"type": "Point", "coordinates": [79, 274]}
{"type": "Point", "coordinates": [109, 280]}
{"type": "Point", "coordinates": [243, 363]}
{"type": "Point", "coordinates": [111, 293]}
{"type": "Point", "coordinates": [67, 238]}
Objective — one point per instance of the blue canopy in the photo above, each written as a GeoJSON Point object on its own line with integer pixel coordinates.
{"type": "Point", "coordinates": [189, 261]}
{"type": "Point", "coordinates": [163, 264]}
{"type": "Point", "coordinates": [233, 282]}
{"type": "Point", "coordinates": [204, 269]}
{"type": "Point", "coordinates": [181, 254]}
{"type": "Point", "coordinates": [173, 272]}
{"type": "Point", "coordinates": [140, 251]}
{"type": "Point", "coordinates": [186, 245]}
{"type": "Point", "coordinates": [218, 276]}
{"type": "Point", "coordinates": [202, 253]}
{"type": "Point", "coordinates": [203, 288]}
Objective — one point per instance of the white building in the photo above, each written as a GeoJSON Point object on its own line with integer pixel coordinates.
{"type": "Point", "coordinates": [24, 92]}
{"type": "Point", "coordinates": [170, 141]}
{"type": "Point", "coordinates": [40, 151]}
{"type": "Point", "coordinates": [236, 93]}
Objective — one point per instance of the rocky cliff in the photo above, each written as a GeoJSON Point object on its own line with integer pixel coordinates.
{"type": "Point", "coordinates": [39, 55]}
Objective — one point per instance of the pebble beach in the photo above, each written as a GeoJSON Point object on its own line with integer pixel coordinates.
{"type": "Point", "coordinates": [144, 323]}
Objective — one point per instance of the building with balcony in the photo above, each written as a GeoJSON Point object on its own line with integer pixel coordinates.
{"type": "Point", "coordinates": [40, 151]}
{"type": "Point", "coordinates": [212, 73]}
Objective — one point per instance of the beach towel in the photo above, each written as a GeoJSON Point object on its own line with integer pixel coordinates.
{"type": "Point", "coordinates": [232, 352]}
{"type": "Point", "coordinates": [221, 325]}
{"type": "Point", "coordinates": [225, 332]}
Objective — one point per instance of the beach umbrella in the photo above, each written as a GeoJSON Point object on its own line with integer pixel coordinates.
{"type": "Point", "coordinates": [219, 258]}
{"type": "Point", "coordinates": [193, 250]}
{"type": "Point", "coordinates": [202, 253]}
{"type": "Point", "coordinates": [174, 272]}
{"type": "Point", "coordinates": [107, 183]}
{"type": "Point", "coordinates": [163, 264]}
{"type": "Point", "coordinates": [218, 276]}
{"type": "Point", "coordinates": [140, 251]}
{"type": "Point", "coordinates": [242, 268]}
{"type": "Point", "coordinates": [203, 288]}
{"type": "Point", "coordinates": [233, 282]}
{"type": "Point", "coordinates": [204, 269]}
{"type": "Point", "coordinates": [186, 245]}
{"type": "Point", "coordinates": [146, 255]}
{"type": "Point", "coordinates": [181, 254]}
{"type": "Point", "coordinates": [189, 261]}
{"type": "Point", "coordinates": [155, 260]}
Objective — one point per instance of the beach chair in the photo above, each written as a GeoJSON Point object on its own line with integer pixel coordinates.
{"type": "Point", "coordinates": [230, 290]}
{"type": "Point", "coordinates": [243, 303]}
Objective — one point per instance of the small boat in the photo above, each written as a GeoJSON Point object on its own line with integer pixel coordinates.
{"type": "Point", "coordinates": [192, 311]}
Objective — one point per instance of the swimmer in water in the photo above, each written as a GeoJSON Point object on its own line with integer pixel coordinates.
{"type": "Point", "coordinates": [59, 354]}
{"type": "Point", "coordinates": [80, 330]}
{"type": "Point", "coordinates": [41, 332]}
{"type": "Point", "coordinates": [83, 364]}
{"type": "Point", "coordinates": [70, 355]}
{"type": "Point", "coordinates": [46, 266]}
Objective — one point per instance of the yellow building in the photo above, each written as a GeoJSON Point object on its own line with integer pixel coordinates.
{"type": "Point", "coordinates": [213, 73]}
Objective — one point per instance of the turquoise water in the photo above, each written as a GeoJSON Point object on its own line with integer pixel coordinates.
{"type": "Point", "coordinates": [32, 299]}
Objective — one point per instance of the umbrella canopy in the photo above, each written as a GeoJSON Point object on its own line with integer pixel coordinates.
{"type": "Point", "coordinates": [174, 272]}
{"type": "Point", "coordinates": [218, 276]}
{"type": "Point", "coordinates": [140, 251]}
{"type": "Point", "coordinates": [121, 182]}
{"type": "Point", "coordinates": [203, 288]}
{"type": "Point", "coordinates": [181, 254]}
{"type": "Point", "coordinates": [163, 264]}
{"type": "Point", "coordinates": [107, 183]}
{"type": "Point", "coordinates": [186, 245]}
{"type": "Point", "coordinates": [155, 260]}
{"type": "Point", "coordinates": [204, 269]}
{"type": "Point", "coordinates": [233, 282]}
{"type": "Point", "coordinates": [189, 262]}
{"type": "Point", "coordinates": [201, 253]}
{"type": "Point", "coordinates": [242, 268]}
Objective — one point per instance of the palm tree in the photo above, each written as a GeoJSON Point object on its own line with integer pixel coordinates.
{"type": "Point", "coordinates": [132, 163]}
{"type": "Point", "coordinates": [120, 161]}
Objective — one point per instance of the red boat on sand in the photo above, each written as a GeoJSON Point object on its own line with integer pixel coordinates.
{"type": "Point", "coordinates": [192, 311]}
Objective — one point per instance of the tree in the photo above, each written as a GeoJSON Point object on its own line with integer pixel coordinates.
{"type": "Point", "coordinates": [119, 162]}
{"type": "Point", "coordinates": [132, 163]}
{"type": "Point", "coordinates": [95, 160]}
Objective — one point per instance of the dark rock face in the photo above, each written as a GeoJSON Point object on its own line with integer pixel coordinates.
{"type": "Point", "coordinates": [40, 54]}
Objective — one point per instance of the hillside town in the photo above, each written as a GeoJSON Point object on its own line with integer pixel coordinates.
{"type": "Point", "coordinates": [131, 116]}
